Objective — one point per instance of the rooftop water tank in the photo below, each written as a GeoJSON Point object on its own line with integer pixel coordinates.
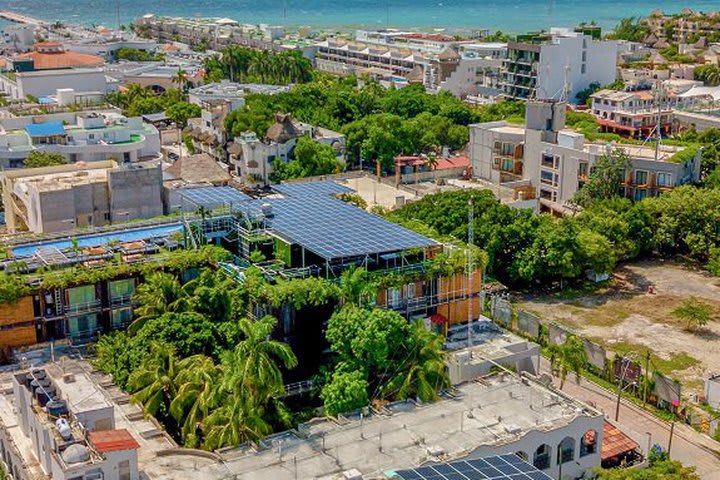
{"type": "Point", "coordinates": [44, 394]}
{"type": "Point", "coordinates": [75, 453]}
{"type": "Point", "coordinates": [63, 428]}
{"type": "Point", "coordinates": [57, 408]}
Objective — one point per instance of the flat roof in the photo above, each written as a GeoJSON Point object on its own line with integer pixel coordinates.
{"type": "Point", "coordinates": [309, 215]}
{"type": "Point", "coordinates": [213, 197]}
{"type": "Point", "coordinates": [497, 410]}
{"type": "Point", "coordinates": [46, 129]}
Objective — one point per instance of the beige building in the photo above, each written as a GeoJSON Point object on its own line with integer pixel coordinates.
{"type": "Point", "coordinates": [53, 199]}
{"type": "Point", "coordinates": [556, 161]}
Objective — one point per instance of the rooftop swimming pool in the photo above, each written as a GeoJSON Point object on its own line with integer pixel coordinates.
{"type": "Point", "coordinates": [129, 235]}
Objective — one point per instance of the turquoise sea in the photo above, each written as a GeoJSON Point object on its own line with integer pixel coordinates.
{"type": "Point", "coordinates": [510, 15]}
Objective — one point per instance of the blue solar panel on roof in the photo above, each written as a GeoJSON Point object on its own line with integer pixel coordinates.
{"type": "Point", "coordinates": [213, 197]}
{"type": "Point", "coordinates": [310, 216]}
{"type": "Point", "coordinates": [506, 467]}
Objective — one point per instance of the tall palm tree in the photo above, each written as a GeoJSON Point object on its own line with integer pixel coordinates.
{"type": "Point", "coordinates": [180, 78]}
{"type": "Point", "coordinates": [160, 293]}
{"type": "Point", "coordinates": [569, 356]}
{"type": "Point", "coordinates": [423, 373]}
{"type": "Point", "coordinates": [255, 364]}
{"type": "Point", "coordinates": [237, 421]}
{"type": "Point", "coordinates": [197, 395]}
{"type": "Point", "coordinates": [153, 383]}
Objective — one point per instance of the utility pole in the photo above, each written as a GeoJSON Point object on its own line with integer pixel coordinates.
{"type": "Point", "coordinates": [658, 128]}
{"type": "Point", "coordinates": [647, 376]}
{"type": "Point", "coordinates": [672, 431]}
{"type": "Point", "coordinates": [471, 216]}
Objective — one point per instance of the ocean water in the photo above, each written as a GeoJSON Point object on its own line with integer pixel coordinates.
{"type": "Point", "coordinates": [508, 15]}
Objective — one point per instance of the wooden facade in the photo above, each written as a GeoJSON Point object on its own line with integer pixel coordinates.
{"type": "Point", "coordinates": [17, 323]}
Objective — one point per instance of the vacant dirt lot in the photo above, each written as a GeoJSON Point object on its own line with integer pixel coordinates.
{"type": "Point", "coordinates": [626, 317]}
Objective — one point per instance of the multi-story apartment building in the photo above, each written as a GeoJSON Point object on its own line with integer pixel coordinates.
{"type": "Point", "coordinates": [438, 62]}
{"type": "Point", "coordinates": [86, 137]}
{"type": "Point", "coordinates": [58, 425]}
{"type": "Point", "coordinates": [558, 64]}
{"type": "Point", "coordinates": [557, 161]}
{"type": "Point", "coordinates": [59, 198]}
{"type": "Point", "coordinates": [634, 114]}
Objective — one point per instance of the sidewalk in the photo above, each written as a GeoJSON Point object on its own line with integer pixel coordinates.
{"type": "Point", "coordinates": [689, 447]}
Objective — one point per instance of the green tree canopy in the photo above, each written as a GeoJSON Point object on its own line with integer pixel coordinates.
{"type": "Point", "coordinates": [38, 159]}
{"type": "Point", "coordinates": [605, 179]}
{"type": "Point", "coordinates": [181, 112]}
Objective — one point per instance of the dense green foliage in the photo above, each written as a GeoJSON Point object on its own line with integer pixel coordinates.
{"type": "Point", "coordinates": [381, 356]}
{"type": "Point", "coordinates": [137, 55]}
{"type": "Point", "coordinates": [137, 100]}
{"type": "Point", "coordinates": [568, 357]}
{"type": "Point", "coordinates": [43, 159]}
{"type": "Point", "coordinates": [660, 468]}
{"type": "Point", "coordinates": [247, 65]}
{"type": "Point", "coordinates": [378, 122]}
{"type": "Point", "coordinates": [181, 112]}
{"type": "Point", "coordinates": [708, 74]}
{"type": "Point", "coordinates": [12, 288]}
{"type": "Point", "coordinates": [311, 159]}
{"type": "Point", "coordinates": [524, 247]}
{"type": "Point", "coordinates": [630, 29]}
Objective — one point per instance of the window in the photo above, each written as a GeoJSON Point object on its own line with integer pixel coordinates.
{"type": "Point", "coordinates": [639, 194]}
{"type": "Point", "coordinates": [641, 177]}
{"type": "Point", "coordinates": [79, 296]}
{"type": "Point", "coordinates": [583, 169]}
{"type": "Point", "coordinates": [547, 177]}
{"type": "Point", "coordinates": [393, 295]}
{"type": "Point", "coordinates": [121, 289]}
{"type": "Point", "coordinates": [498, 146]}
{"type": "Point", "coordinates": [82, 325]}
{"type": "Point", "coordinates": [522, 455]}
{"type": "Point", "coordinates": [664, 179]}
{"type": "Point", "coordinates": [588, 443]}
{"type": "Point", "coordinates": [548, 160]}
{"type": "Point", "coordinates": [507, 164]}
{"type": "Point", "coordinates": [121, 317]}
{"type": "Point", "coordinates": [541, 459]}
{"type": "Point", "coordinates": [567, 450]}
{"type": "Point", "coordinates": [410, 290]}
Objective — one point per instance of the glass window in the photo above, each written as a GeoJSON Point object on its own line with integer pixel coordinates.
{"type": "Point", "coordinates": [588, 443]}
{"type": "Point", "coordinates": [82, 325]}
{"type": "Point", "coordinates": [80, 295]}
{"type": "Point", "coordinates": [121, 288]}
{"type": "Point", "coordinates": [547, 178]}
{"type": "Point", "coordinates": [641, 177]}
{"type": "Point", "coordinates": [541, 459]}
{"type": "Point", "coordinates": [121, 317]}
{"type": "Point", "coordinates": [124, 470]}
{"type": "Point", "coordinates": [567, 450]}
{"type": "Point", "coordinates": [640, 193]}
{"type": "Point", "coordinates": [664, 179]}
{"type": "Point", "coordinates": [507, 164]}
{"type": "Point", "coordinates": [583, 169]}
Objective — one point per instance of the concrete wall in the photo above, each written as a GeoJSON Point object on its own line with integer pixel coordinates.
{"type": "Point", "coordinates": [712, 392]}
{"type": "Point", "coordinates": [530, 441]}
{"type": "Point", "coordinates": [135, 193]}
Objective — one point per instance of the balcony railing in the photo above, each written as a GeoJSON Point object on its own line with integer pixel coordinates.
{"type": "Point", "coordinates": [79, 308]}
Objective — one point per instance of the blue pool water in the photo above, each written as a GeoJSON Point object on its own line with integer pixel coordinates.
{"type": "Point", "coordinates": [100, 239]}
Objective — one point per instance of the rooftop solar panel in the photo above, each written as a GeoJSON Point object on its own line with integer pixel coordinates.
{"type": "Point", "coordinates": [213, 197]}
{"type": "Point", "coordinates": [499, 467]}
{"type": "Point", "coordinates": [310, 216]}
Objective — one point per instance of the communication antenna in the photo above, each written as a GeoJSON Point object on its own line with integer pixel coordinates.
{"type": "Point", "coordinates": [471, 216]}
{"type": "Point", "coordinates": [658, 125]}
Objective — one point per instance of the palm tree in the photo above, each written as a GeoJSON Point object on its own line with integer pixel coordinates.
{"type": "Point", "coordinates": [423, 374]}
{"type": "Point", "coordinates": [237, 421]}
{"type": "Point", "coordinates": [356, 286]}
{"type": "Point", "coordinates": [255, 364]}
{"type": "Point", "coordinates": [568, 357]}
{"type": "Point", "coordinates": [180, 78]}
{"type": "Point", "coordinates": [160, 293]}
{"type": "Point", "coordinates": [153, 383]}
{"type": "Point", "coordinates": [197, 394]}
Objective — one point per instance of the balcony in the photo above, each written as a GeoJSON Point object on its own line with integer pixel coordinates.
{"type": "Point", "coordinates": [80, 308]}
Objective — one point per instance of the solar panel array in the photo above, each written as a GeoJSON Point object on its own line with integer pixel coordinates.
{"type": "Point", "coordinates": [331, 228]}
{"type": "Point", "coordinates": [499, 467]}
{"type": "Point", "coordinates": [213, 197]}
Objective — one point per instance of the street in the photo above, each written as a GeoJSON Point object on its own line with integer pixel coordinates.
{"type": "Point", "coordinates": [688, 446]}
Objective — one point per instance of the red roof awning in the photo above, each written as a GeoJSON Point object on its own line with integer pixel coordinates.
{"type": "Point", "coordinates": [615, 442]}
{"type": "Point", "coordinates": [438, 319]}
{"type": "Point", "coordinates": [113, 440]}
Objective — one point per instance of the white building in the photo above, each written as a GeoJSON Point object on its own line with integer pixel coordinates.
{"type": "Point", "coordinates": [232, 92]}
{"type": "Point", "coordinates": [562, 62]}
{"type": "Point", "coordinates": [19, 37]}
{"type": "Point", "coordinates": [59, 426]}
{"type": "Point", "coordinates": [556, 161]}
{"type": "Point", "coordinates": [42, 83]}
{"type": "Point", "coordinates": [86, 137]}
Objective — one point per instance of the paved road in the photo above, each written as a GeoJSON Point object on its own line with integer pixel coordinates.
{"type": "Point", "coordinates": [688, 447]}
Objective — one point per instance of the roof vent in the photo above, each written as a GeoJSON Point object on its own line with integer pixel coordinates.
{"type": "Point", "coordinates": [435, 451]}
{"type": "Point", "coordinates": [352, 474]}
